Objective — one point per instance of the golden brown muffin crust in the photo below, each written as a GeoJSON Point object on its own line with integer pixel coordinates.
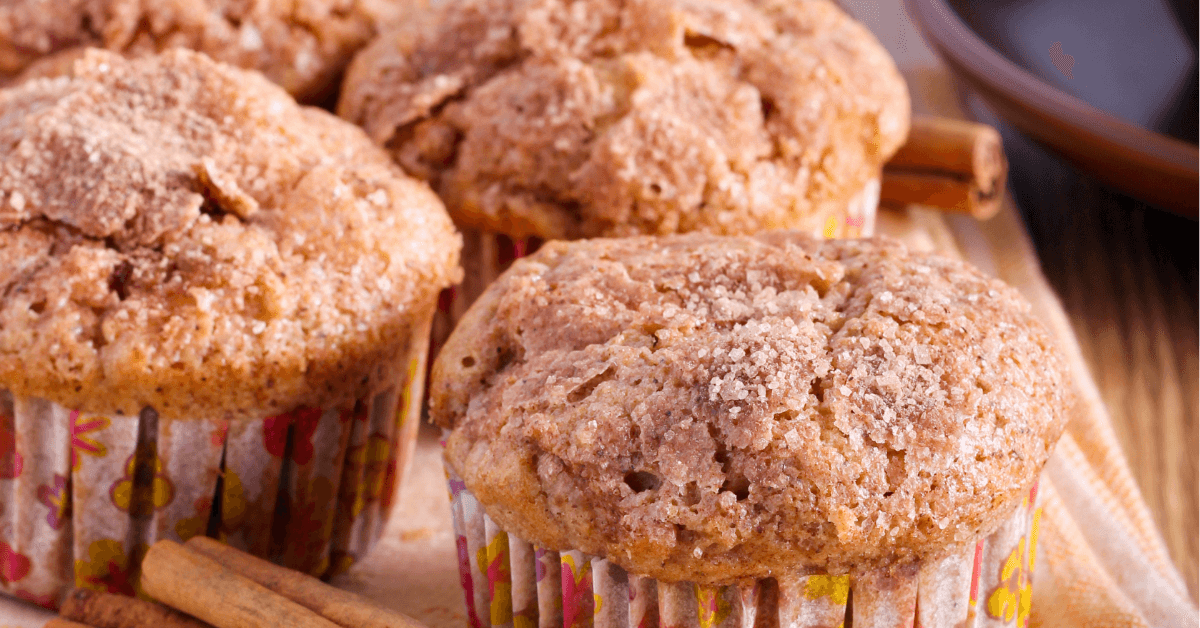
{"type": "Point", "coordinates": [713, 409]}
{"type": "Point", "coordinates": [303, 46]}
{"type": "Point", "coordinates": [566, 119]}
{"type": "Point", "coordinates": [179, 233]}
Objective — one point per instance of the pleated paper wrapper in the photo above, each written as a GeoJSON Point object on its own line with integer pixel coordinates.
{"type": "Point", "coordinates": [486, 255]}
{"type": "Point", "coordinates": [82, 496]}
{"type": "Point", "coordinates": [510, 583]}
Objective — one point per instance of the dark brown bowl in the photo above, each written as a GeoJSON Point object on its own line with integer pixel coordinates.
{"type": "Point", "coordinates": [1153, 167]}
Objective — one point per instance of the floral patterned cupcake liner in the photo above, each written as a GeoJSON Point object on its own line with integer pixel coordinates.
{"type": "Point", "coordinates": [510, 583]}
{"type": "Point", "coordinates": [486, 255]}
{"type": "Point", "coordinates": [82, 496]}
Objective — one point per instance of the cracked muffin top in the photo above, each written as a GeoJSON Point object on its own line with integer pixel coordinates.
{"type": "Point", "coordinates": [303, 46]}
{"type": "Point", "coordinates": [583, 118]}
{"type": "Point", "coordinates": [716, 409]}
{"type": "Point", "coordinates": [180, 234]}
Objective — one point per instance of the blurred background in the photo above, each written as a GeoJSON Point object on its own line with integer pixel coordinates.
{"type": "Point", "coordinates": [1108, 194]}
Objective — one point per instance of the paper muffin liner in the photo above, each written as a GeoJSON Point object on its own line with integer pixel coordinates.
{"type": "Point", "coordinates": [486, 255]}
{"type": "Point", "coordinates": [511, 583]}
{"type": "Point", "coordinates": [83, 496]}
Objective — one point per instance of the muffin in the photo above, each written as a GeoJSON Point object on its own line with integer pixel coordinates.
{"type": "Point", "coordinates": [706, 429]}
{"type": "Point", "coordinates": [215, 321]}
{"type": "Point", "coordinates": [550, 119]}
{"type": "Point", "coordinates": [303, 46]}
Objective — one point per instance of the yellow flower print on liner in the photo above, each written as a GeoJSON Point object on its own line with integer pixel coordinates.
{"type": "Point", "coordinates": [83, 439]}
{"type": "Point", "coordinates": [161, 490]}
{"type": "Point", "coordinates": [494, 565]}
{"type": "Point", "coordinates": [575, 588]}
{"type": "Point", "coordinates": [406, 393]}
{"type": "Point", "coordinates": [831, 227]}
{"type": "Point", "coordinates": [1013, 596]}
{"type": "Point", "coordinates": [713, 607]}
{"type": "Point", "coordinates": [107, 568]}
{"type": "Point", "coordinates": [836, 588]}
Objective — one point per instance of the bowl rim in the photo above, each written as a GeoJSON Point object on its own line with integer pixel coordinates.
{"type": "Point", "coordinates": [963, 48]}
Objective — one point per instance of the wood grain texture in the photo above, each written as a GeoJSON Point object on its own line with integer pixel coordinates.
{"type": "Point", "coordinates": [1127, 277]}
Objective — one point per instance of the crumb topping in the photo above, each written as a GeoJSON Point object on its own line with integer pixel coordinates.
{"type": "Point", "coordinates": [716, 409]}
{"type": "Point", "coordinates": [581, 118]}
{"type": "Point", "coordinates": [303, 46]}
{"type": "Point", "coordinates": [179, 233]}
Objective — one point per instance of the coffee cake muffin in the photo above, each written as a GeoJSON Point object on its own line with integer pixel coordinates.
{"type": "Point", "coordinates": [214, 301]}
{"type": "Point", "coordinates": [557, 119]}
{"type": "Point", "coordinates": [561, 119]}
{"type": "Point", "coordinates": [773, 421]}
{"type": "Point", "coordinates": [303, 46]}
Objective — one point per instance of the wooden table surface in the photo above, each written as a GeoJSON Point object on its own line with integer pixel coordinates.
{"type": "Point", "coordinates": [1127, 277]}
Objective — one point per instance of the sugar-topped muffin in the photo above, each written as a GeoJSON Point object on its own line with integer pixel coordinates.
{"type": "Point", "coordinates": [303, 46]}
{"type": "Point", "coordinates": [215, 320]}
{"type": "Point", "coordinates": [180, 234]}
{"type": "Point", "coordinates": [717, 409]}
{"type": "Point", "coordinates": [561, 119]}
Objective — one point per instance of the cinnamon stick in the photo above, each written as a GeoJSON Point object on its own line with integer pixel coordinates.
{"type": "Point", "coordinates": [949, 164]}
{"type": "Point", "coordinates": [201, 587]}
{"type": "Point", "coordinates": [105, 610]}
{"type": "Point", "coordinates": [342, 607]}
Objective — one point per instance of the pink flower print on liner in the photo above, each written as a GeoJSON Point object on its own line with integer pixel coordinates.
{"type": "Point", "coordinates": [275, 433]}
{"type": "Point", "coordinates": [640, 602]}
{"type": "Point", "coordinates": [464, 576]}
{"type": "Point", "coordinates": [650, 618]}
{"type": "Point", "coordinates": [713, 608]}
{"type": "Point", "coordinates": [494, 565]}
{"type": "Point", "coordinates": [275, 430]}
{"type": "Point", "coordinates": [976, 574]}
{"type": "Point", "coordinates": [387, 490]}
{"type": "Point", "coordinates": [579, 602]}
{"type": "Point", "coordinates": [218, 436]}
{"type": "Point", "coordinates": [539, 564]}
{"type": "Point", "coordinates": [14, 566]}
{"type": "Point", "coordinates": [306, 420]}
{"type": "Point", "coordinates": [58, 499]}
{"type": "Point", "coordinates": [45, 601]}
{"type": "Point", "coordinates": [107, 568]}
{"type": "Point", "coordinates": [456, 487]}
{"type": "Point", "coordinates": [81, 443]}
